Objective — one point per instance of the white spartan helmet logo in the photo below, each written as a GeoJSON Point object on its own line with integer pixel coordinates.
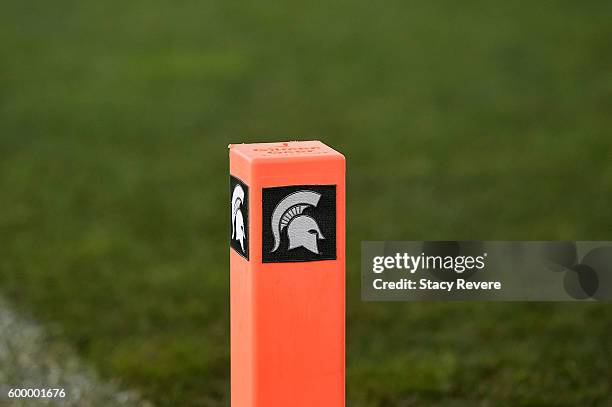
{"type": "Point", "coordinates": [302, 230]}
{"type": "Point", "coordinates": [237, 219]}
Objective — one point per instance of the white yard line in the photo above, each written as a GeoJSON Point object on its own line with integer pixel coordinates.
{"type": "Point", "coordinates": [29, 360]}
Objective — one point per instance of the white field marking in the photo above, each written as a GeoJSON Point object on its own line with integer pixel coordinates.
{"type": "Point", "coordinates": [28, 359]}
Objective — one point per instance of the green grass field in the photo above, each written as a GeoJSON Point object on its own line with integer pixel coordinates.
{"type": "Point", "coordinates": [459, 120]}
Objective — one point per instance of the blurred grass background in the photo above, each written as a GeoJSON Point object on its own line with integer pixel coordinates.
{"type": "Point", "coordinates": [459, 120]}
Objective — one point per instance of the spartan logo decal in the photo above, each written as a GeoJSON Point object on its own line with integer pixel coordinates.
{"type": "Point", "coordinates": [299, 223]}
{"type": "Point", "coordinates": [239, 217]}
{"type": "Point", "coordinates": [302, 229]}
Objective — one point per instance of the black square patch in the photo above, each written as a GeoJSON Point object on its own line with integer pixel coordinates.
{"type": "Point", "coordinates": [299, 223]}
{"type": "Point", "coordinates": [239, 217]}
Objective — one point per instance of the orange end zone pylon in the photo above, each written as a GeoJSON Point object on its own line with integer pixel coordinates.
{"type": "Point", "coordinates": [287, 275]}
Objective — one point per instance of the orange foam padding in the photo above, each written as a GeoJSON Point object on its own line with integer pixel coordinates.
{"type": "Point", "coordinates": [288, 318]}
